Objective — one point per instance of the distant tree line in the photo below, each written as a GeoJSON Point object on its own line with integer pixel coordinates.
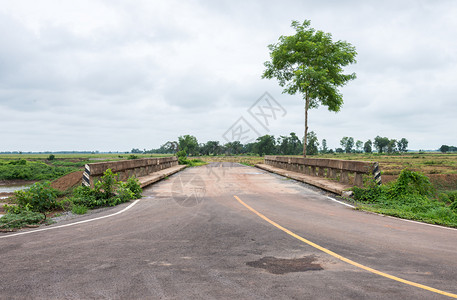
{"type": "Point", "coordinates": [446, 148]}
{"type": "Point", "coordinates": [267, 144]}
{"type": "Point", "coordinates": [382, 145]}
{"type": "Point", "coordinates": [283, 145]}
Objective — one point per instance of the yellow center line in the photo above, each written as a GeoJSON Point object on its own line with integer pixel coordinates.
{"type": "Point", "coordinates": [418, 285]}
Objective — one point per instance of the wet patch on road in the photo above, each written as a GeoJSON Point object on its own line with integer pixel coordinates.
{"type": "Point", "coordinates": [282, 265]}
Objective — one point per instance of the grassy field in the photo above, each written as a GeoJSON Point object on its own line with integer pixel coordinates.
{"type": "Point", "coordinates": [80, 156]}
{"type": "Point", "coordinates": [40, 167]}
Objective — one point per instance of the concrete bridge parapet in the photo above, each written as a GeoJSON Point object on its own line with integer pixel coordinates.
{"type": "Point", "coordinates": [127, 168]}
{"type": "Point", "coordinates": [336, 169]}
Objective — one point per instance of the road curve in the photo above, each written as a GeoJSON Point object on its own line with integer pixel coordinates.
{"type": "Point", "coordinates": [189, 237]}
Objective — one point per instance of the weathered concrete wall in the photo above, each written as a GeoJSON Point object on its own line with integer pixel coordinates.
{"type": "Point", "coordinates": [329, 168]}
{"type": "Point", "coordinates": [127, 168]}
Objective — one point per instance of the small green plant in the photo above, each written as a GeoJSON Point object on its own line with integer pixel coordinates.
{"type": "Point", "coordinates": [51, 157]}
{"type": "Point", "coordinates": [133, 184]}
{"type": "Point", "coordinates": [124, 194]}
{"type": "Point", "coordinates": [449, 197]}
{"type": "Point", "coordinates": [182, 157]}
{"type": "Point", "coordinates": [183, 160]}
{"type": "Point", "coordinates": [106, 185]}
{"type": "Point", "coordinates": [79, 209]}
{"type": "Point", "coordinates": [132, 156]}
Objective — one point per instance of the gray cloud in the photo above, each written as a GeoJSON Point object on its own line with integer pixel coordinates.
{"type": "Point", "coordinates": [109, 75]}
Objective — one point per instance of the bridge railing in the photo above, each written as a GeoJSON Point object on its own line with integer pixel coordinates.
{"type": "Point", "coordinates": [335, 169]}
{"type": "Point", "coordinates": [127, 168]}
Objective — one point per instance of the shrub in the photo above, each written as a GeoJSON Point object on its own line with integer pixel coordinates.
{"type": "Point", "coordinates": [410, 196]}
{"type": "Point", "coordinates": [40, 197]}
{"type": "Point", "coordinates": [107, 184]}
{"type": "Point", "coordinates": [107, 192]}
{"type": "Point", "coordinates": [410, 182]}
{"type": "Point", "coordinates": [124, 194]}
{"type": "Point", "coordinates": [134, 185]}
{"type": "Point", "coordinates": [182, 157]}
{"type": "Point", "coordinates": [21, 162]}
{"type": "Point", "coordinates": [443, 197]}
{"type": "Point", "coordinates": [20, 219]}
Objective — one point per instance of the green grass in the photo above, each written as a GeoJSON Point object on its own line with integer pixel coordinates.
{"type": "Point", "coordinates": [193, 162]}
{"type": "Point", "coordinates": [412, 197]}
{"type": "Point", "coordinates": [38, 167]}
{"type": "Point", "coordinates": [31, 170]}
{"type": "Point", "coordinates": [21, 219]}
{"type": "Point", "coordinates": [86, 156]}
{"type": "Point", "coordinates": [79, 209]}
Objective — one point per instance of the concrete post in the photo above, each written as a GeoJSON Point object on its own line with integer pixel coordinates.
{"type": "Point", "coordinates": [321, 172]}
{"type": "Point", "coordinates": [344, 176]}
{"type": "Point", "coordinates": [358, 180]}
{"type": "Point", "coordinates": [313, 170]}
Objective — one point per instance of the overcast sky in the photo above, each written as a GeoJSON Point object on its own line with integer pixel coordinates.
{"type": "Point", "coordinates": [116, 75]}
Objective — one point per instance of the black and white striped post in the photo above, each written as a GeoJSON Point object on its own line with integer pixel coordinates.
{"type": "Point", "coordinates": [377, 173]}
{"type": "Point", "coordinates": [86, 176]}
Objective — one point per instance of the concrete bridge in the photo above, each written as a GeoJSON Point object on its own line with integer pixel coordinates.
{"type": "Point", "coordinates": [228, 231]}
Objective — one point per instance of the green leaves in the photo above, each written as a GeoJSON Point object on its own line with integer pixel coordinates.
{"type": "Point", "coordinates": [410, 196]}
{"type": "Point", "coordinates": [40, 197]}
{"type": "Point", "coordinates": [310, 63]}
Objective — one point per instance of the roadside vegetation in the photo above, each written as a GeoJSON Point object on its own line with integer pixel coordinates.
{"type": "Point", "coordinates": [32, 170]}
{"type": "Point", "coordinates": [411, 196]}
{"type": "Point", "coordinates": [37, 167]}
{"type": "Point", "coordinates": [32, 206]}
{"type": "Point", "coordinates": [184, 160]}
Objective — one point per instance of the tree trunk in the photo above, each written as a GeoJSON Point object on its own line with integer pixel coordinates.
{"type": "Point", "coordinates": [305, 138]}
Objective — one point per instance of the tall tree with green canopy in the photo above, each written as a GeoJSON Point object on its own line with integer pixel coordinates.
{"type": "Point", "coordinates": [311, 64]}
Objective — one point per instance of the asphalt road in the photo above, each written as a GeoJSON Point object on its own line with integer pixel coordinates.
{"type": "Point", "coordinates": [190, 238]}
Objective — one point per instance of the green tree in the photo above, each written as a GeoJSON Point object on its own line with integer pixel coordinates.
{"type": "Point", "coordinates": [347, 143]}
{"type": "Point", "coordinates": [265, 145]}
{"type": "Point", "coordinates": [358, 146]}
{"type": "Point", "coordinates": [169, 147]}
{"type": "Point", "coordinates": [136, 150]}
{"type": "Point", "coordinates": [392, 146]}
{"type": "Point", "coordinates": [289, 145]}
{"type": "Point", "coordinates": [402, 145]}
{"type": "Point", "coordinates": [381, 143]}
{"type": "Point", "coordinates": [444, 148]}
{"type": "Point", "coordinates": [234, 147]}
{"type": "Point", "coordinates": [211, 148]}
{"type": "Point", "coordinates": [189, 144]}
{"type": "Point", "coordinates": [311, 64]}
{"type": "Point", "coordinates": [249, 148]}
{"type": "Point", "coordinates": [313, 144]}
{"type": "Point", "coordinates": [324, 148]}
{"type": "Point", "coordinates": [368, 146]}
